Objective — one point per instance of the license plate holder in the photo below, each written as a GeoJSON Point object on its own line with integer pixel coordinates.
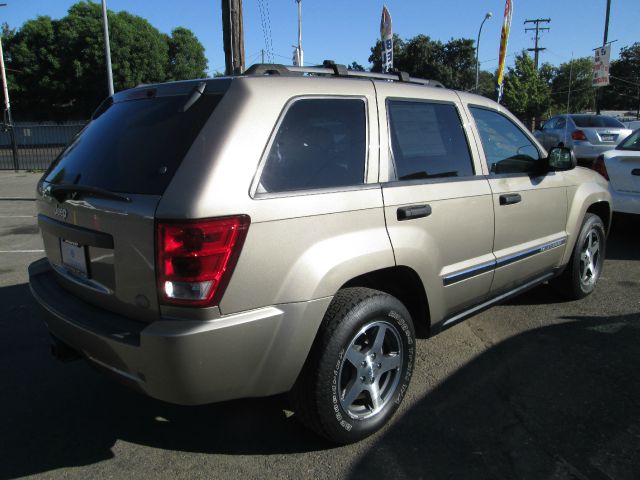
{"type": "Point", "coordinates": [74, 257]}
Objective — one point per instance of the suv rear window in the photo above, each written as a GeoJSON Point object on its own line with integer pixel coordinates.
{"type": "Point", "coordinates": [585, 121]}
{"type": "Point", "coordinates": [321, 143]}
{"type": "Point", "coordinates": [134, 145]}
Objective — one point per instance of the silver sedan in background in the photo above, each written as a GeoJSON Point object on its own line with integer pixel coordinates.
{"type": "Point", "coordinates": [621, 166]}
{"type": "Point", "coordinates": [587, 135]}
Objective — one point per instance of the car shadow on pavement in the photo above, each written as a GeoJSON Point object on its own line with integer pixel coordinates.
{"type": "Point", "coordinates": [622, 243]}
{"type": "Point", "coordinates": [59, 415]}
{"type": "Point", "coordinates": [556, 402]}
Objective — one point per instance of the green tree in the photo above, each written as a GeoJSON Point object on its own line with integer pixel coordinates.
{"type": "Point", "coordinates": [186, 55]}
{"type": "Point", "coordinates": [526, 93]}
{"type": "Point", "coordinates": [577, 93]}
{"type": "Point", "coordinates": [58, 66]}
{"type": "Point", "coordinates": [376, 53]}
{"type": "Point", "coordinates": [624, 91]}
{"type": "Point", "coordinates": [452, 63]}
{"type": "Point", "coordinates": [32, 64]}
{"type": "Point", "coordinates": [487, 85]}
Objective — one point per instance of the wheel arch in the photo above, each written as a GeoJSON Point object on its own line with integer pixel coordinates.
{"type": "Point", "coordinates": [590, 197]}
{"type": "Point", "coordinates": [603, 210]}
{"type": "Point", "coordinates": [403, 283]}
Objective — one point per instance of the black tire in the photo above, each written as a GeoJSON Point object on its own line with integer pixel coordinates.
{"type": "Point", "coordinates": [350, 333]}
{"type": "Point", "coordinates": [585, 267]}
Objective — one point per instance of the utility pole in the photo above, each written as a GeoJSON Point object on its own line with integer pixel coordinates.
{"type": "Point", "coordinates": [538, 29]}
{"type": "Point", "coordinates": [604, 44]}
{"type": "Point", "coordinates": [233, 36]}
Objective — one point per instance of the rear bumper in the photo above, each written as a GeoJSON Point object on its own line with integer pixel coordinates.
{"type": "Point", "coordinates": [588, 151]}
{"type": "Point", "coordinates": [188, 362]}
{"type": "Point", "coordinates": [625, 202]}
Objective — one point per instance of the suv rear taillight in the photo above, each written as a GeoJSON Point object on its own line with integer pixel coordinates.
{"type": "Point", "coordinates": [600, 167]}
{"type": "Point", "coordinates": [195, 259]}
{"type": "Point", "coordinates": [578, 135]}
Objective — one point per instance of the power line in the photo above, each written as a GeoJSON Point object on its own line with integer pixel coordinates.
{"type": "Point", "coordinates": [265, 31]}
{"type": "Point", "coordinates": [625, 81]}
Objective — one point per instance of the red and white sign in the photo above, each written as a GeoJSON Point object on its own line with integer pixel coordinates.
{"type": "Point", "coordinates": [601, 67]}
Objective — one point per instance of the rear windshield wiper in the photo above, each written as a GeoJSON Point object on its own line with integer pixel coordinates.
{"type": "Point", "coordinates": [62, 192]}
{"type": "Point", "coordinates": [194, 96]}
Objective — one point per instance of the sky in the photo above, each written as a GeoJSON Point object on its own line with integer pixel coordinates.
{"type": "Point", "coordinates": [345, 30]}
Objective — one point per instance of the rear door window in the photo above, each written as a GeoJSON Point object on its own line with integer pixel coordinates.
{"type": "Point", "coordinates": [320, 143]}
{"type": "Point", "coordinates": [427, 140]}
{"type": "Point", "coordinates": [134, 145]}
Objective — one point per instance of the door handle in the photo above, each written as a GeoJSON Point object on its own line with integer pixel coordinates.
{"type": "Point", "coordinates": [636, 172]}
{"type": "Point", "coordinates": [414, 211]}
{"type": "Point", "coordinates": [510, 198]}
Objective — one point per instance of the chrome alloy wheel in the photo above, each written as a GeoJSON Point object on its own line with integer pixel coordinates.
{"type": "Point", "coordinates": [371, 372]}
{"type": "Point", "coordinates": [590, 261]}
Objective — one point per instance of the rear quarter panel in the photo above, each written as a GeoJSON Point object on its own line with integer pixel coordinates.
{"type": "Point", "coordinates": [300, 245]}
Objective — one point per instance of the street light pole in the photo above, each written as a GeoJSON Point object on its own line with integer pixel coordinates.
{"type": "Point", "coordinates": [299, 54]}
{"type": "Point", "coordinates": [487, 16]}
{"type": "Point", "coordinates": [107, 47]}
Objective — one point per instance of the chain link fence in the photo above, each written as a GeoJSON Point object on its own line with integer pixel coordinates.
{"type": "Point", "coordinates": [36, 144]}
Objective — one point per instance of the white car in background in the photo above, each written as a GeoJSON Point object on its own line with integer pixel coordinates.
{"type": "Point", "coordinates": [621, 166]}
{"type": "Point", "coordinates": [633, 124]}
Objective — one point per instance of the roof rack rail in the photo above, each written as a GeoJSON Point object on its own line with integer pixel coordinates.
{"type": "Point", "coordinates": [329, 67]}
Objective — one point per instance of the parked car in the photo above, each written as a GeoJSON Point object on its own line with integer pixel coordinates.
{"type": "Point", "coordinates": [272, 232]}
{"type": "Point", "coordinates": [621, 167]}
{"type": "Point", "coordinates": [587, 135]}
{"type": "Point", "coordinates": [632, 125]}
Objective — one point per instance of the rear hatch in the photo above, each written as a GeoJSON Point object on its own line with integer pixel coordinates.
{"type": "Point", "coordinates": [601, 130]}
{"type": "Point", "coordinates": [624, 173]}
{"type": "Point", "coordinates": [97, 201]}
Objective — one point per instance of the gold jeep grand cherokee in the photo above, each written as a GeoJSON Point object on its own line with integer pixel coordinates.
{"type": "Point", "coordinates": [290, 229]}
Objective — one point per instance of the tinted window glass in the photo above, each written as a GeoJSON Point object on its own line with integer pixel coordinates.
{"type": "Point", "coordinates": [561, 123]}
{"type": "Point", "coordinates": [550, 124]}
{"type": "Point", "coordinates": [595, 121]}
{"type": "Point", "coordinates": [507, 148]}
{"type": "Point", "coordinates": [321, 143]}
{"type": "Point", "coordinates": [133, 146]}
{"type": "Point", "coordinates": [428, 141]}
{"type": "Point", "coordinates": [632, 142]}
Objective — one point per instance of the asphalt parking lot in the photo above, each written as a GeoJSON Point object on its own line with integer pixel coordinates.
{"type": "Point", "coordinates": [538, 388]}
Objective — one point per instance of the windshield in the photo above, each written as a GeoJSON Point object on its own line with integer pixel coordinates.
{"type": "Point", "coordinates": [133, 146]}
{"type": "Point", "coordinates": [632, 142]}
{"type": "Point", "coordinates": [595, 121]}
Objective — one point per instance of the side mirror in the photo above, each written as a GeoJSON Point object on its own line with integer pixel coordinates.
{"type": "Point", "coordinates": [561, 158]}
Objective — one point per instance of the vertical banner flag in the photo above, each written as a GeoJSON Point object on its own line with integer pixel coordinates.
{"type": "Point", "coordinates": [601, 67]}
{"type": "Point", "coordinates": [386, 34]}
{"type": "Point", "coordinates": [504, 38]}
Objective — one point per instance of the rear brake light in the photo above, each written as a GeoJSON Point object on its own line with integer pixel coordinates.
{"type": "Point", "coordinates": [195, 259]}
{"type": "Point", "coordinates": [578, 135]}
{"type": "Point", "coordinates": [600, 167]}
